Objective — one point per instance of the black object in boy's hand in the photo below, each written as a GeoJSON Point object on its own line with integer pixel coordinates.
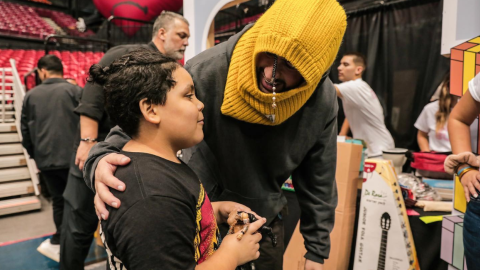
{"type": "Point", "coordinates": [242, 221]}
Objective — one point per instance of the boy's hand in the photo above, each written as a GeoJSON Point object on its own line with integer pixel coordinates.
{"type": "Point", "coordinates": [225, 211]}
{"type": "Point", "coordinates": [246, 249]}
{"type": "Point", "coordinates": [104, 178]}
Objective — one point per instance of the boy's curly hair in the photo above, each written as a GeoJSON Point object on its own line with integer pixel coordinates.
{"type": "Point", "coordinates": [134, 76]}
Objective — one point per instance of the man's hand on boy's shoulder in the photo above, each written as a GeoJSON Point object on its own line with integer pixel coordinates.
{"type": "Point", "coordinates": [104, 179]}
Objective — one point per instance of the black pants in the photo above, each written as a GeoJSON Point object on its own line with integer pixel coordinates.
{"type": "Point", "coordinates": [271, 258]}
{"type": "Point", "coordinates": [56, 181]}
{"type": "Point", "coordinates": [79, 223]}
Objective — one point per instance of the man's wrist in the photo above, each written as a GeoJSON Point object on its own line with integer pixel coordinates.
{"type": "Point", "coordinates": [314, 258]}
{"type": "Point", "coordinates": [88, 140]}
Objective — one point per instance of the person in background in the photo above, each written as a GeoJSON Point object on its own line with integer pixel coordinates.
{"type": "Point", "coordinates": [48, 126]}
{"type": "Point", "coordinates": [363, 111]}
{"type": "Point", "coordinates": [432, 125]}
{"type": "Point", "coordinates": [170, 37]}
{"type": "Point", "coordinates": [465, 164]}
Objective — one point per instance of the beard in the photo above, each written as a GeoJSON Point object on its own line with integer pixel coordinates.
{"type": "Point", "coordinates": [177, 55]}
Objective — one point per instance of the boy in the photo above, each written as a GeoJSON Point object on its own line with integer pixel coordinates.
{"type": "Point", "coordinates": [167, 220]}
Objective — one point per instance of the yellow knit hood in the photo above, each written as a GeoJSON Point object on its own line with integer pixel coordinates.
{"type": "Point", "coordinates": [307, 33]}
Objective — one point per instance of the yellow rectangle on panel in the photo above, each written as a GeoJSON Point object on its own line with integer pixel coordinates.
{"type": "Point", "coordinates": [468, 68]}
{"type": "Point", "coordinates": [475, 49]}
{"type": "Point", "coordinates": [475, 40]}
{"type": "Point", "coordinates": [459, 200]}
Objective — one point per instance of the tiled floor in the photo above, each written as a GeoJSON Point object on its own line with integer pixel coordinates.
{"type": "Point", "coordinates": [21, 234]}
{"type": "Point", "coordinates": [24, 255]}
{"type": "Point", "coordinates": [27, 225]}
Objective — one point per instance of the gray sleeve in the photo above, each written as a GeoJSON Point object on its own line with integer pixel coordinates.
{"type": "Point", "coordinates": [315, 187]}
{"type": "Point", "coordinates": [114, 142]}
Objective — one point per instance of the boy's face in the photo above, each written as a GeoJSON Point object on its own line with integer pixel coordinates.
{"type": "Point", "coordinates": [181, 115]}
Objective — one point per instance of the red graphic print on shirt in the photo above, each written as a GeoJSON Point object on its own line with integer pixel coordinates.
{"type": "Point", "coordinates": [206, 238]}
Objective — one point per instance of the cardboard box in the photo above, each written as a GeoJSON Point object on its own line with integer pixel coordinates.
{"type": "Point", "coordinates": [452, 242]}
{"type": "Point", "coordinates": [349, 158]}
{"type": "Point", "coordinates": [384, 238]}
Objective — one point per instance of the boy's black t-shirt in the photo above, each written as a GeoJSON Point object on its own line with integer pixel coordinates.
{"type": "Point", "coordinates": [165, 221]}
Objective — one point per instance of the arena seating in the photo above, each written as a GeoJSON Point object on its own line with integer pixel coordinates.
{"type": "Point", "coordinates": [65, 21]}
{"type": "Point", "coordinates": [25, 21]}
{"type": "Point", "coordinates": [76, 63]}
{"type": "Point", "coordinates": [20, 20]}
{"type": "Point", "coordinates": [232, 26]}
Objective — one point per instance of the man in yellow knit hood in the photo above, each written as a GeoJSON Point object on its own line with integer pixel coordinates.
{"type": "Point", "coordinates": [270, 112]}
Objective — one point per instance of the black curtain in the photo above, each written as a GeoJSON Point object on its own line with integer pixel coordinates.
{"type": "Point", "coordinates": [401, 41]}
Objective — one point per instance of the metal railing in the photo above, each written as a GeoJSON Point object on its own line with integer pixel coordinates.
{"type": "Point", "coordinates": [18, 96]}
{"type": "Point", "coordinates": [3, 109]}
{"type": "Point", "coordinates": [70, 43]}
{"type": "Point", "coordinates": [121, 30]}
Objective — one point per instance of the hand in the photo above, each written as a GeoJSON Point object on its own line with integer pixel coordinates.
{"type": "Point", "coordinates": [246, 249]}
{"type": "Point", "coordinates": [311, 265]}
{"type": "Point", "coordinates": [452, 161]}
{"type": "Point", "coordinates": [104, 178]}
{"type": "Point", "coordinates": [225, 210]}
{"type": "Point", "coordinates": [82, 153]}
{"type": "Point", "coordinates": [470, 181]}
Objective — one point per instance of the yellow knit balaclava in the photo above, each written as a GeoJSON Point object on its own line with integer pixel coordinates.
{"type": "Point", "coordinates": [307, 33]}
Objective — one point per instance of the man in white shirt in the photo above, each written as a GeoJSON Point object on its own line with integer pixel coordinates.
{"type": "Point", "coordinates": [363, 111]}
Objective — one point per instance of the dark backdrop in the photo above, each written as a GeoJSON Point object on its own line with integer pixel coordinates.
{"type": "Point", "coordinates": [401, 40]}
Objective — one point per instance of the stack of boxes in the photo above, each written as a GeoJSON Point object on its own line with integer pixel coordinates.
{"type": "Point", "coordinates": [452, 242]}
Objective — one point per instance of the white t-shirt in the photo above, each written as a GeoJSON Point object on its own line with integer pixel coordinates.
{"type": "Point", "coordinates": [426, 122]}
{"type": "Point", "coordinates": [474, 87]}
{"type": "Point", "coordinates": [440, 142]}
{"type": "Point", "coordinates": [365, 116]}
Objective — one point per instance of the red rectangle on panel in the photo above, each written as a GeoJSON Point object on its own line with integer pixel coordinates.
{"type": "Point", "coordinates": [456, 78]}
{"type": "Point", "coordinates": [465, 46]}
{"type": "Point", "coordinates": [477, 69]}
{"type": "Point", "coordinates": [477, 60]}
{"type": "Point", "coordinates": [456, 55]}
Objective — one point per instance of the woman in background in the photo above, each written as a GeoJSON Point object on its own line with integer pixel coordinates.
{"type": "Point", "coordinates": [432, 123]}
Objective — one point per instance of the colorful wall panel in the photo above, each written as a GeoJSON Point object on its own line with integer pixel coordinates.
{"type": "Point", "coordinates": [465, 64]}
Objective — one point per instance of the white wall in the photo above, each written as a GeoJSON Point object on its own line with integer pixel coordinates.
{"type": "Point", "coordinates": [200, 14]}
{"type": "Point", "coordinates": [461, 22]}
